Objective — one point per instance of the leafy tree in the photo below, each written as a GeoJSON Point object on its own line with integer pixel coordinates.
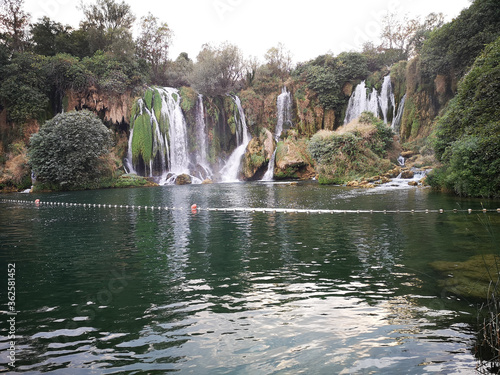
{"type": "Point", "coordinates": [13, 24]}
{"type": "Point", "coordinates": [279, 60]}
{"type": "Point", "coordinates": [453, 47]}
{"type": "Point", "coordinates": [66, 72]}
{"type": "Point", "coordinates": [44, 35]}
{"type": "Point", "coordinates": [67, 150]}
{"type": "Point", "coordinates": [218, 71]}
{"type": "Point", "coordinates": [113, 74]}
{"type": "Point", "coordinates": [468, 135]}
{"type": "Point", "coordinates": [23, 89]}
{"type": "Point", "coordinates": [178, 71]}
{"type": "Point", "coordinates": [406, 36]}
{"type": "Point", "coordinates": [108, 26]}
{"type": "Point", "coordinates": [327, 75]}
{"type": "Point", "coordinates": [153, 44]}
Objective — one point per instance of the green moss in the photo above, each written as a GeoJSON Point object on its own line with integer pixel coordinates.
{"type": "Point", "coordinates": [288, 174]}
{"type": "Point", "coordinates": [189, 98]}
{"type": "Point", "coordinates": [134, 112]}
{"type": "Point", "coordinates": [148, 98]}
{"type": "Point", "coordinates": [142, 140]}
{"type": "Point", "coordinates": [157, 104]}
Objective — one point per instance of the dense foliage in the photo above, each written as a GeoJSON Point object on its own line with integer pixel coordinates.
{"type": "Point", "coordinates": [218, 70]}
{"type": "Point", "coordinates": [67, 150]}
{"type": "Point", "coordinates": [350, 155]}
{"type": "Point", "coordinates": [453, 47]}
{"type": "Point", "coordinates": [326, 75]}
{"type": "Point", "coordinates": [468, 135]}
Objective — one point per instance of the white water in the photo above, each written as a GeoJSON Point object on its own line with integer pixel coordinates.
{"type": "Point", "coordinates": [396, 123]}
{"type": "Point", "coordinates": [386, 98]}
{"type": "Point", "coordinates": [268, 176]}
{"type": "Point", "coordinates": [284, 108]}
{"type": "Point", "coordinates": [201, 138]}
{"type": "Point", "coordinates": [230, 171]}
{"type": "Point", "coordinates": [128, 164]}
{"type": "Point", "coordinates": [178, 161]}
{"type": "Point", "coordinates": [378, 104]}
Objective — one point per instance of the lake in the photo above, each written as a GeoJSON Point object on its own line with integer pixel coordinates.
{"type": "Point", "coordinates": [107, 290]}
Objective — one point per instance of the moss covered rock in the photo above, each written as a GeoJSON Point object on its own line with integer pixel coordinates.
{"type": "Point", "coordinates": [293, 160]}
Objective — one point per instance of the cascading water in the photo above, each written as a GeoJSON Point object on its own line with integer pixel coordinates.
{"type": "Point", "coordinates": [230, 171]}
{"type": "Point", "coordinates": [284, 104]}
{"type": "Point", "coordinates": [357, 103]}
{"type": "Point", "coordinates": [159, 137]}
{"type": "Point", "coordinates": [127, 163]}
{"type": "Point", "coordinates": [360, 101]}
{"type": "Point", "coordinates": [396, 124]}
{"type": "Point", "coordinates": [201, 138]}
{"type": "Point", "coordinates": [284, 107]}
{"type": "Point", "coordinates": [386, 98]}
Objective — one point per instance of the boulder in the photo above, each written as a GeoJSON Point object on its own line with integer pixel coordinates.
{"type": "Point", "coordinates": [293, 161]}
{"type": "Point", "coordinates": [406, 174]}
{"type": "Point", "coordinates": [183, 179]}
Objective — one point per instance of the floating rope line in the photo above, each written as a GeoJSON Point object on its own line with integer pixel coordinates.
{"type": "Point", "coordinates": [195, 209]}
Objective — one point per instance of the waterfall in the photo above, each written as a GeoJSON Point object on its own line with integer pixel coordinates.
{"type": "Point", "coordinates": [284, 104]}
{"type": "Point", "coordinates": [230, 171]}
{"type": "Point", "coordinates": [161, 121]}
{"type": "Point", "coordinates": [284, 108]}
{"type": "Point", "coordinates": [357, 103]}
{"type": "Point", "coordinates": [373, 103]}
{"type": "Point", "coordinates": [360, 101]}
{"type": "Point", "coordinates": [201, 138]}
{"type": "Point", "coordinates": [386, 98]}
{"type": "Point", "coordinates": [128, 163]}
{"type": "Point", "coordinates": [396, 123]}
{"type": "Point", "coordinates": [268, 176]}
{"type": "Point", "coordinates": [171, 107]}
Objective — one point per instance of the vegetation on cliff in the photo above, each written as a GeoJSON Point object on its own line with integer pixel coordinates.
{"type": "Point", "coordinates": [468, 135]}
{"type": "Point", "coordinates": [354, 151]}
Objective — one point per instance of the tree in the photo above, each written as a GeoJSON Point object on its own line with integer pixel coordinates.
{"type": "Point", "coordinates": [67, 150]}
{"type": "Point", "coordinates": [153, 44]}
{"type": "Point", "coordinates": [109, 26]}
{"type": "Point", "coordinates": [179, 71]}
{"type": "Point", "coordinates": [279, 60]}
{"type": "Point", "coordinates": [23, 87]}
{"type": "Point", "coordinates": [397, 34]}
{"type": "Point", "coordinates": [44, 36]}
{"type": "Point", "coordinates": [218, 71]}
{"type": "Point", "coordinates": [13, 24]}
{"type": "Point", "coordinates": [452, 49]}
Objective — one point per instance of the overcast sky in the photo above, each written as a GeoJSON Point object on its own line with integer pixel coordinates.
{"type": "Point", "coordinates": [306, 28]}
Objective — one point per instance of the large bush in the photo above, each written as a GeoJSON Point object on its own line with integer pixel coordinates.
{"type": "Point", "coordinates": [358, 152]}
{"type": "Point", "coordinates": [468, 135]}
{"type": "Point", "coordinates": [67, 150]}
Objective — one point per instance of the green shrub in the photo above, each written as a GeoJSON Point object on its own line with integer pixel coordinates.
{"type": "Point", "coordinates": [67, 150]}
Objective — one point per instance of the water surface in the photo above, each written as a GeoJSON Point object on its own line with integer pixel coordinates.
{"type": "Point", "coordinates": [115, 290]}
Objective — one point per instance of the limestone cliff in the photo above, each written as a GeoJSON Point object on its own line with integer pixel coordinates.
{"type": "Point", "coordinates": [112, 109]}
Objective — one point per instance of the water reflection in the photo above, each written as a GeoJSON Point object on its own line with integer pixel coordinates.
{"type": "Point", "coordinates": [126, 290]}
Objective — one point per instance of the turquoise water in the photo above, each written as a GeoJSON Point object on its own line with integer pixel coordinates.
{"type": "Point", "coordinates": [129, 291]}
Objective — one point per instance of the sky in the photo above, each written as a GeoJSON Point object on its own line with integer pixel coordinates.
{"type": "Point", "coordinates": [306, 28]}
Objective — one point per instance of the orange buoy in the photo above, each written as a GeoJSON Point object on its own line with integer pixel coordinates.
{"type": "Point", "coordinates": [194, 208]}
{"type": "Point", "coordinates": [37, 202]}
